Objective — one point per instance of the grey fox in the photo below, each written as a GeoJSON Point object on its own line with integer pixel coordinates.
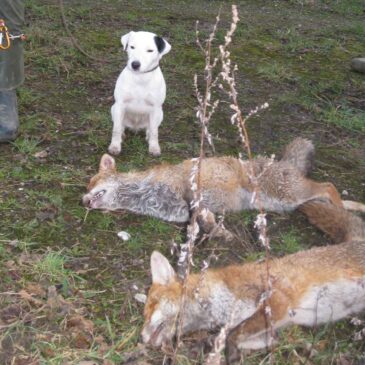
{"type": "Point", "coordinates": [165, 192]}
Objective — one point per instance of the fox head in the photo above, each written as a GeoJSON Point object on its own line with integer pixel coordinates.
{"type": "Point", "coordinates": [103, 186]}
{"type": "Point", "coordinates": [163, 302]}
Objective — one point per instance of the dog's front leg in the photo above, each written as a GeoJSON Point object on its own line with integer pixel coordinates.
{"type": "Point", "coordinates": [118, 112]}
{"type": "Point", "coordinates": [156, 117]}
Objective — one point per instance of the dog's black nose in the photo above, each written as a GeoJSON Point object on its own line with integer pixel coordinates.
{"type": "Point", "coordinates": [136, 65]}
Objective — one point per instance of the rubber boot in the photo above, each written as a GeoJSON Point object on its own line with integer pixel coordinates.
{"type": "Point", "coordinates": [9, 121]}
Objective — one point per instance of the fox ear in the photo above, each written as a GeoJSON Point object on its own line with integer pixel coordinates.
{"type": "Point", "coordinates": [162, 271]}
{"type": "Point", "coordinates": [125, 39]}
{"type": "Point", "coordinates": [107, 163]}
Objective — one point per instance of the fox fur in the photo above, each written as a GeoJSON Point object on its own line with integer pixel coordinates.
{"type": "Point", "coordinates": [164, 191]}
{"type": "Point", "coordinates": [311, 287]}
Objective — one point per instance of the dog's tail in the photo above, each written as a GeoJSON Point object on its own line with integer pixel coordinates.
{"type": "Point", "coordinates": [340, 224]}
{"type": "Point", "coordinates": [300, 153]}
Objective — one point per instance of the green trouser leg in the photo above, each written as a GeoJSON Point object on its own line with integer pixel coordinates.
{"type": "Point", "coordinates": [11, 69]}
{"type": "Point", "coordinates": [9, 121]}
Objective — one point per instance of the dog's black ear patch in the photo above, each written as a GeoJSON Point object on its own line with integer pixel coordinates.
{"type": "Point", "coordinates": [160, 43]}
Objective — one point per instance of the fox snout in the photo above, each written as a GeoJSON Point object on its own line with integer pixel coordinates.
{"type": "Point", "coordinates": [93, 200]}
{"type": "Point", "coordinates": [85, 201]}
{"type": "Point", "coordinates": [145, 336]}
{"type": "Point", "coordinates": [154, 336]}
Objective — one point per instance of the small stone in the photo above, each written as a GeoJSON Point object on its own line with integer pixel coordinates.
{"type": "Point", "coordinates": [358, 64]}
{"type": "Point", "coordinates": [140, 298]}
{"type": "Point", "coordinates": [125, 236]}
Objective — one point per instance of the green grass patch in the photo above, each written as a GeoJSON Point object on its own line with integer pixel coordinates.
{"type": "Point", "coordinates": [348, 118]}
{"type": "Point", "coordinates": [275, 72]}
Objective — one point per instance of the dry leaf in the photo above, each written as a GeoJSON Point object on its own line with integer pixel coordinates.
{"type": "Point", "coordinates": [11, 313]}
{"type": "Point", "coordinates": [56, 302]}
{"type": "Point", "coordinates": [108, 362]}
{"type": "Point", "coordinates": [28, 297]}
{"type": "Point", "coordinates": [35, 289]}
{"type": "Point", "coordinates": [81, 323]}
{"type": "Point", "coordinates": [41, 154]}
{"type": "Point", "coordinates": [81, 340]}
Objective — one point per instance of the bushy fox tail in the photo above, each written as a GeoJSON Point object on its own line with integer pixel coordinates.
{"type": "Point", "coordinates": [300, 153]}
{"type": "Point", "coordinates": [340, 224]}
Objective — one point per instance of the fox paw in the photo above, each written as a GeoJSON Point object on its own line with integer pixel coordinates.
{"type": "Point", "coordinates": [232, 354]}
{"type": "Point", "coordinates": [114, 149]}
{"type": "Point", "coordinates": [227, 235]}
{"type": "Point", "coordinates": [222, 232]}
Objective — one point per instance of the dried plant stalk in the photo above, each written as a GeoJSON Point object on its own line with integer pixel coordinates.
{"type": "Point", "coordinates": [228, 77]}
{"type": "Point", "coordinates": [206, 109]}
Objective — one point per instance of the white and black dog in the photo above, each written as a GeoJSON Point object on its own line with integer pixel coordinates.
{"type": "Point", "coordinates": [140, 90]}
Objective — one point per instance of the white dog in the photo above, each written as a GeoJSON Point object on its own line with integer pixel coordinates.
{"type": "Point", "coordinates": [140, 90]}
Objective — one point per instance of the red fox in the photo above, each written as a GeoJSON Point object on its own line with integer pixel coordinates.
{"type": "Point", "coordinates": [310, 287]}
{"type": "Point", "coordinates": [165, 191]}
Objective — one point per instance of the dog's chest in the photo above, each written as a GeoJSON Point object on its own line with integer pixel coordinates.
{"type": "Point", "coordinates": [138, 101]}
{"type": "Point", "coordinates": [140, 94]}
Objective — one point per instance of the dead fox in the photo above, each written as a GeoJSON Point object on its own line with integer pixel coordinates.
{"type": "Point", "coordinates": [311, 287]}
{"type": "Point", "coordinates": [164, 191]}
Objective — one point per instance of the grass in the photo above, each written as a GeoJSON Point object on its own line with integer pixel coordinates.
{"type": "Point", "coordinates": [348, 118]}
{"type": "Point", "coordinates": [51, 267]}
{"type": "Point", "coordinates": [294, 55]}
{"type": "Point", "coordinates": [275, 72]}
{"type": "Point", "coordinates": [26, 146]}
{"type": "Point", "coordinates": [289, 242]}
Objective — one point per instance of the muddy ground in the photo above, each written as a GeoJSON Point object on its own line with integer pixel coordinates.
{"type": "Point", "coordinates": [68, 281]}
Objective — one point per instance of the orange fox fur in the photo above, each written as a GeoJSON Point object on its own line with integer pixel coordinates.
{"type": "Point", "coordinates": [310, 287]}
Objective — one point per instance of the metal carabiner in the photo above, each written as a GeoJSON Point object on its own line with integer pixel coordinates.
{"type": "Point", "coordinates": [4, 34]}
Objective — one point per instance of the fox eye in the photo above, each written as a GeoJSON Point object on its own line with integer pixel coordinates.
{"type": "Point", "coordinates": [150, 50]}
{"type": "Point", "coordinates": [132, 47]}
{"type": "Point", "coordinates": [98, 195]}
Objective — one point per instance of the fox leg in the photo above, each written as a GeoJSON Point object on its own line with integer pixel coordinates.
{"type": "Point", "coordinates": [351, 205]}
{"type": "Point", "coordinates": [256, 332]}
{"type": "Point", "coordinates": [327, 192]}
{"type": "Point", "coordinates": [209, 225]}
{"type": "Point", "coordinates": [252, 334]}
{"type": "Point", "coordinates": [333, 194]}
{"type": "Point", "coordinates": [322, 191]}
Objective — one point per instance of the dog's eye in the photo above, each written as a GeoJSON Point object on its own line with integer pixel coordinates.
{"type": "Point", "coordinates": [132, 47]}
{"type": "Point", "coordinates": [150, 50]}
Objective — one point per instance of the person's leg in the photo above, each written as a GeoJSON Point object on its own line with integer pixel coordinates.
{"type": "Point", "coordinates": [9, 121]}
{"type": "Point", "coordinates": [11, 67]}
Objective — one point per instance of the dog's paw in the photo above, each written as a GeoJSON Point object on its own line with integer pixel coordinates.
{"type": "Point", "coordinates": [155, 150]}
{"type": "Point", "coordinates": [114, 149]}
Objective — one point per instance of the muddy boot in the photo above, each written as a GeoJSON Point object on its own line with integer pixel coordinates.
{"type": "Point", "coordinates": [358, 64]}
{"type": "Point", "coordinates": [9, 121]}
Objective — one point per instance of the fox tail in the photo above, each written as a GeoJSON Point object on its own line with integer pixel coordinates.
{"type": "Point", "coordinates": [300, 153]}
{"type": "Point", "coordinates": [340, 224]}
